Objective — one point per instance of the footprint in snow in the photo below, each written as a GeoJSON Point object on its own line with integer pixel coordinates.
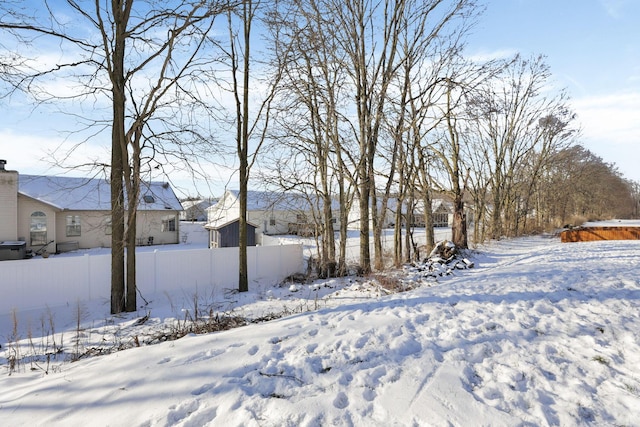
{"type": "Point", "coordinates": [253, 350]}
{"type": "Point", "coordinates": [345, 379]}
{"type": "Point", "coordinates": [396, 332]}
{"type": "Point", "coordinates": [422, 318]}
{"type": "Point", "coordinates": [202, 389]}
{"type": "Point", "coordinates": [406, 346]}
{"type": "Point", "coordinates": [237, 344]}
{"type": "Point", "coordinates": [369, 394]}
{"type": "Point", "coordinates": [165, 360]}
{"type": "Point", "coordinates": [179, 412]}
{"type": "Point", "coordinates": [373, 379]}
{"type": "Point", "coordinates": [361, 342]}
{"type": "Point", "coordinates": [341, 401]}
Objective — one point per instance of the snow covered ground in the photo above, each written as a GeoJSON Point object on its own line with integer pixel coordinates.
{"type": "Point", "coordinates": [538, 333]}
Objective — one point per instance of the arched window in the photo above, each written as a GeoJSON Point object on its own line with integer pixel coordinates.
{"type": "Point", "coordinates": [38, 228]}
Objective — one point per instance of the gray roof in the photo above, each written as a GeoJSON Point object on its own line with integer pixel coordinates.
{"type": "Point", "coordinates": [92, 194]}
{"type": "Point", "coordinates": [199, 203]}
{"type": "Point", "coordinates": [285, 201]}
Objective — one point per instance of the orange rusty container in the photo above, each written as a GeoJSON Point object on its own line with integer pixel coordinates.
{"type": "Point", "coordinates": [590, 234]}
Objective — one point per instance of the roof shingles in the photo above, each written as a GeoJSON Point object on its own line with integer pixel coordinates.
{"type": "Point", "coordinates": [91, 194]}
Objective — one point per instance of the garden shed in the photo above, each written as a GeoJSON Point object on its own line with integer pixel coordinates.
{"type": "Point", "coordinates": [227, 235]}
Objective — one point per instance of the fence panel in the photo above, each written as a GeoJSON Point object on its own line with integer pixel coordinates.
{"type": "Point", "coordinates": [36, 283]}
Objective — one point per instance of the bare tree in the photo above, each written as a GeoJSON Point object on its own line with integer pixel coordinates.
{"type": "Point", "coordinates": [449, 146]}
{"type": "Point", "coordinates": [250, 132]}
{"type": "Point", "coordinates": [506, 114]}
{"type": "Point", "coordinates": [578, 186]}
{"type": "Point", "coordinates": [312, 89]}
{"type": "Point", "coordinates": [354, 47]}
{"type": "Point", "coordinates": [118, 56]}
{"type": "Point", "coordinates": [431, 50]}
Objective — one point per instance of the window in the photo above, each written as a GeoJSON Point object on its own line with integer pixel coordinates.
{"type": "Point", "coordinates": [169, 223]}
{"type": "Point", "coordinates": [272, 221]}
{"type": "Point", "coordinates": [38, 228]}
{"type": "Point", "coordinates": [73, 225]}
{"type": "Point", "coordinates": [107, 228]}
{"type": "Point", "coordinates": [441, 219]}
{"type": "Point", "coordinates": [148, 198]}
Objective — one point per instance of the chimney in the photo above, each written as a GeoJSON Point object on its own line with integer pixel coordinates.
{"type": "Point", "coordinates": [2, 163]}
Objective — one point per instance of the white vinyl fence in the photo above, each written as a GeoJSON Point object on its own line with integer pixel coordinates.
{"type": "Point", "coordinates": [37, 282]}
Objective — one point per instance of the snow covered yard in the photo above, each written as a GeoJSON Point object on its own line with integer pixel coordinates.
{"type": "Point", "coordinates": [539, 333]}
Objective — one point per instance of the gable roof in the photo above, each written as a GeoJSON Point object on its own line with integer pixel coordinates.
{"type": "Point", "coordinates": [92, 194]}
{"type": "Point", "coordinates": [198, 204]}
{"type": "Point", "coordinates": [271, 200]}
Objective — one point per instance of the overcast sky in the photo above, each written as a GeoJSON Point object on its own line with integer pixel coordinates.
{"type": "Point", "coordinates": [592, 47]}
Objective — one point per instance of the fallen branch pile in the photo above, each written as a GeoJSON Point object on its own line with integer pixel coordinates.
{"type": "Point", "coordinates": [442, 261]}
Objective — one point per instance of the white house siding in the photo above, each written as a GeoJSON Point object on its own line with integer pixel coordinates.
{"type": "Point", "coordinates": [354, 222]}
{"type": "Point", "coordinates": [149, 224]}
{"type": "Point", "coordinates": [93, 226]}
{"type": "Point", "coordinates": [8, 205]}
{"type": "Point", "coordinates": [93, 229]}
{"type": "Point", "coordinates": [282, 219]}
{"type": "Point", "coordinates": [227, 209]}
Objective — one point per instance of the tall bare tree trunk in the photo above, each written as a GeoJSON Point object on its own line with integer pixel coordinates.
{"type": "Point", "coordinates": [243, 148]}
{"type": "Point", "coordinates": [121, 12]}
{"type": "Point", "coordinates": [459, 226]}
{"type": "Point", "coordinates": [132, 184]}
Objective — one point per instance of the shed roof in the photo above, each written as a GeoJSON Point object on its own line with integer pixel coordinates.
{"type": "Point", "coordinates": [217, 225]}
{"type": "Point", "coordinates": [92, 194]}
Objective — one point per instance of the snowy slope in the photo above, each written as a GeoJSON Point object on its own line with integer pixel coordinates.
{"type": "Point", "coordinates": [539, 333]}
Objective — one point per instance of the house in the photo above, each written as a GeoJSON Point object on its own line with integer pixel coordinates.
{"type": "Point", "coordinates": [270, 212]}
{"type": "Point", "coordinates": [442, 213]}
{"type": "Point", "coordinates": [196, 210]}
{"type": "Point", "coordinates": [58, 214]}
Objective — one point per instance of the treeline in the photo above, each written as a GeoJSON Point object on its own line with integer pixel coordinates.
{"type": "Point", "coordinates": [379, 107]}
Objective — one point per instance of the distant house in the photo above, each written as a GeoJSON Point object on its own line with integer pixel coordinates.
{"type": "Point", "coordinates": [270, 212]}
{"type": "Point", "coordinates": [59, 213]}
{"type": "Point", "coordinates": [196, 210]}
{"type": "Point", "coordinates": [442, 213]}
